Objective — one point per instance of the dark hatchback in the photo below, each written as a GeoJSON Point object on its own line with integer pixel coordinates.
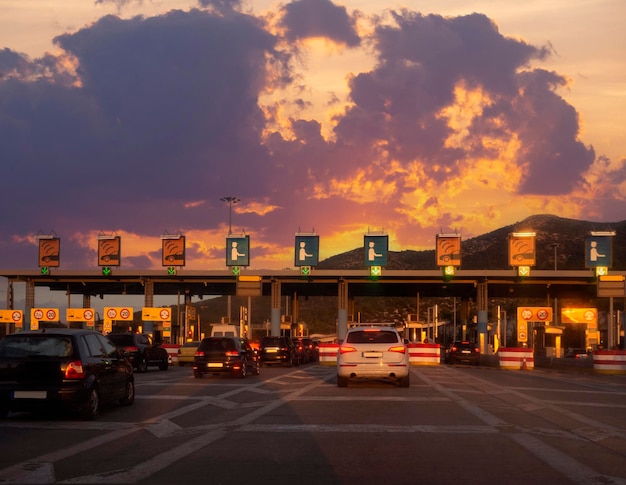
{"type": "Point", "coordinates": [225, 355]}
{"type": "Point", "coordinates": [141, 349]}
{"type": "Point", "coordinates": [278, 350]}
{"type": "Point", "coordinates": [463, 351]}
{"type": "Point", "coordinates": [62, 369]}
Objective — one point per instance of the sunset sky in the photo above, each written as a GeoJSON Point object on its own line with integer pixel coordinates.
{"type": "Point", "coordinates": [133, 118]}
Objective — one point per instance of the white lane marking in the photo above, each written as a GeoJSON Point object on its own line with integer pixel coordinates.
{"type": "Point", "coordinates": [564, 464]}
{"type": "Point", "coordinates": [153, 465]}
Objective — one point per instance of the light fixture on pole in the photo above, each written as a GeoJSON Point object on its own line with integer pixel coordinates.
{"type": "Point", "coordinates": [231, 200]}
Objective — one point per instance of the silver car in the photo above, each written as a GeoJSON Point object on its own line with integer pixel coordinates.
{"type": "Point", "coordinates": [373, 352]}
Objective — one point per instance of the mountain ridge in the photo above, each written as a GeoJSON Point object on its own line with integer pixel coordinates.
{"type": "Point", "coordinates": [490, 250]}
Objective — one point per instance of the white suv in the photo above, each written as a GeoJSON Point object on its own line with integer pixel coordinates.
{"type": "Point", "coordinates": [373, 352]}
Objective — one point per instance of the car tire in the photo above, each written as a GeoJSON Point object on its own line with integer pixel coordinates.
{"type": "Point", "coordinates": [129, 394]}
{"type": "Point", "coordinates": [342, 381]}
{"type": "Point", "coordinates": [197, 374]}
{"type": "Point", "coordinates": [142, 366]}
{"type": "Point", "coordinates": [404, 381]}
{"type": "Point", "coordinates": [91, 407]}
{"type": "Point", "coordinates": [164, 364]}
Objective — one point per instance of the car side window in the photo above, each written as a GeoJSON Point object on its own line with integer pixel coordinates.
{"type": "Point", "coordinates": [94, 345]}
{"type": "Point", "coordinates": [109, 349]}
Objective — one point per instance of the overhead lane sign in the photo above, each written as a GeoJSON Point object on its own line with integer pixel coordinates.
{"type": "Point", "coordinates": [307, 248]}
{"type": "Point", "coordinates": [238, 251]}
{"type": "Point", "coordinates": [448, 250]}
{"type": "Point", "coordinates": [376, 248]}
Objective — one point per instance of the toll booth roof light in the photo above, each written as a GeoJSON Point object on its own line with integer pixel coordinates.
{"type": "Point", "coordinates": [603, 233]}
{"type": "Point", "coordinates": [524, 234]}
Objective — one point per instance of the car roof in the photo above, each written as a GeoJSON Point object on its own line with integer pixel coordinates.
{"type": "Point", "coordinates": [55, 331]}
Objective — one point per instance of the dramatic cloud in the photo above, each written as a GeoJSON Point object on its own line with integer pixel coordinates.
{"type": "Point", "coordinates": [319, 18]}
{"type": "Point", "coordinates": [141, 125]}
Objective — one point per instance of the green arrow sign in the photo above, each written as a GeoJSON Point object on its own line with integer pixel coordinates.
{"type": "Point", "coordinates": [45, 270]}
{"type": "Point", "coordinates": [171, 270]}
{"type": "Point", "coordinates": [305, 270]}
{"type": "Point", "coordinates": [236, 270]}
{"type": "Point", "coordinates": [376, 271]}
{"type": "Point", "coordinates": [106, 271]}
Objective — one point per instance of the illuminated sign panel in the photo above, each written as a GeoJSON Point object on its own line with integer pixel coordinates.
{"type": "Point", "coordinates": [109, 250]}
{"type": "Point", "coordinates": [376, 248]}
{"type": "Point", "coordinates": [522, 249]}
{"type": "Point", "coordinates": [306, 251]}
{"type": "Point", "coordinates": [173, 250]}
{"type": "Point", "coordinates": [238, 251]}
{"type": "Point", "coordinates": [448, 250]}
{"type": "Point", "coordinates": [49, 252]}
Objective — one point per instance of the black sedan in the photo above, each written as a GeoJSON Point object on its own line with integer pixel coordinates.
{"type": "Point", "coordinates": [226, 355]}
{"type": "Point", "coordinates": [141, 349]}
{"type": "Point", "coordinates": [463, 351]}
{"type": "Point", "coordinates": [62, 368]}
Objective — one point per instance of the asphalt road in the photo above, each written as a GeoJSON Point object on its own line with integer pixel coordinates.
{"type": "Point", "coordinates": [454, 424]}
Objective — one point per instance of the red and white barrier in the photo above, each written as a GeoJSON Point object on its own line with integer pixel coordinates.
{"type": "Point", "coordinates": [424, 354]}
{"type": "Point", "coordinates": [172, 352]}
{"type": "Point", "coordinates": [328, 354]}
{"type": "Point", "coordinates": [609, 361]}
{"type": "Point", "coordinates": [516, 358]}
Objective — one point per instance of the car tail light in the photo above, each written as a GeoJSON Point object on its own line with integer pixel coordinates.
{"type": "Point", "coordinates": [132, 348]}
{"type": "Point", "coordinates": [453, 349]}
{"type": "Point", "coordinates": [199, 353]}
{"type": "Point", "coordinates": [346, 349]}
{"type": "Point", "coordinates": [401, 349]}
{"type": "Point", "coordinates": [232, 353]}
{"type": "Point", "coordinates": [74, 370]}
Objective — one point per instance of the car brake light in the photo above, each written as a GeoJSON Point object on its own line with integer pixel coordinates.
{"type": "Point", "coordinates": [74, 370]}
{"type": "Point", "coordinates": [199, 353]}
{"type": "Point", "coordinates": [232, 353]}
{"type": "Point", "coordinates": [344, 349]}
{"type": "Point", "coordinates": [132, 348]}
{"type": "Point", "coordinates": [398, 348]}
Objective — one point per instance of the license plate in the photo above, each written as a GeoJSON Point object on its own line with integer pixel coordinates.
{"type": "Point", "coordinates": [269, 351]}
{"type": "Point", "coordinates": [372, 354]}
{"type": "Point", "coordinates": [30, 395]}
{"type": "Point", "coordinates": [466, 351]}
{"type": "Point", "coordinates": [215, 364]}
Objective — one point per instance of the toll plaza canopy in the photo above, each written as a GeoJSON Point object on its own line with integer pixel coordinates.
{"type": "Point", "coordinates": [427, 283]}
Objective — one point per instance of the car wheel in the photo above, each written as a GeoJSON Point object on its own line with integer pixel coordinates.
{"type": "Point", "coordinates": [129, 395]}
{"type": "Point", "coordinates": [143, 365]}
{"type": "Point", "coordinates": [404, 381]}
{"type": "Point", "coordinates": [91, 407]}
{"type": "Point", "coordinates": [164, 364]}
{"type": "Point", "coordinates": [342, 381]}
{"type": "Point", "coordinates": [197, 374]}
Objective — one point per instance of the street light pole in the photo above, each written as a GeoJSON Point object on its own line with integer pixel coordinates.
{"type": "Point", "coordinates": [555, 246]}
{"type": "Point", "coordinates": [231, 200]}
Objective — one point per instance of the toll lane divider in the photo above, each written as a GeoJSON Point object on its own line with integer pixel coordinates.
{"type": "Point", "coordinates": [172, 352]}
{"type": "Point", "coordinates": [328, 353]}
{"type": "Point", "coordinates": [424, 354]}
{"type": "Point", "coordinates": [516, 358]}
{"type": "Point", "coordinates": [609, 361]}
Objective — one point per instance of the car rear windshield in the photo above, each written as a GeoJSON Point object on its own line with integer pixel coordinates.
{"type": "Point", "coordinates": [270, 342]}
{"type": "Point", "coordinates": [464, 345]}
{"type": "Point", "coordinates": [121, 339]}
{"type": "Point", "coordinates": [41, 346]}
{"type": "Point", "coordinates": [374, 337]}
{"type": "Point", "coordinates": [218, 345]}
